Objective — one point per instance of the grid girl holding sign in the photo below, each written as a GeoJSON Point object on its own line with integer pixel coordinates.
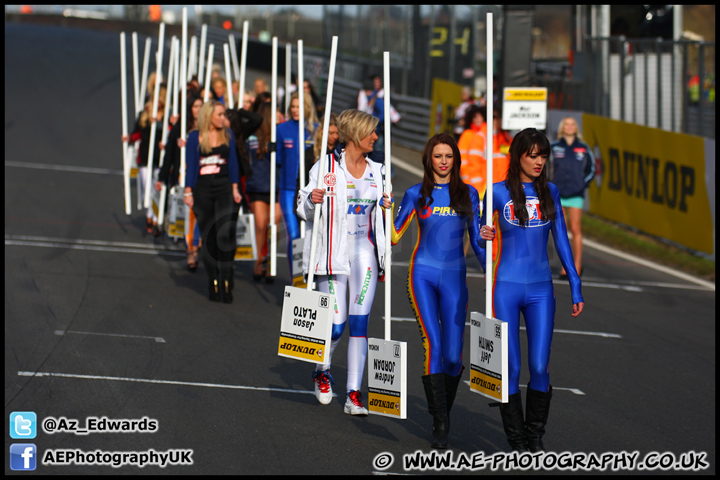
{"type": "Point", "coordinates": [523, 280]}
{"type": "Point", "coordinates": [445, 207]}
{"type": "Point", "coordinates": [212, 191]}
{"type": "Point", "coordinates": [351, 245]}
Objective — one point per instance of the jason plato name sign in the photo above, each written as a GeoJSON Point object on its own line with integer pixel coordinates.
{"type": "Point", "coordinates": [306, 325]}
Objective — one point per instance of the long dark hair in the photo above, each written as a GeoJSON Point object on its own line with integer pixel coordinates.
{"type": "Point", "coordinates": [192, 123]}
{"type": "Point", "coordinates": [264, 132]}
{"type": "Point", "coordinates": [459, 191]}
{"type": "Point", "coordinates": [523, 143]}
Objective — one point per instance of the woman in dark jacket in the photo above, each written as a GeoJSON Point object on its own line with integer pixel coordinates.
{"type": "Point", "coordinates": [170, 172]}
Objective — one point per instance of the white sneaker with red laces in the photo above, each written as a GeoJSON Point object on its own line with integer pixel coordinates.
{"type": "Point", "coordinates": [353, 404]}
{"type": "Point", "coordinates": [323, 388]}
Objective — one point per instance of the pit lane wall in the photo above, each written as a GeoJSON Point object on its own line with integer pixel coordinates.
{"type": "Point", "coordinates": [661, 183]}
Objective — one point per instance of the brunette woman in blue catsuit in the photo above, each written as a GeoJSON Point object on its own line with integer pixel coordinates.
{"type": "Point", "coordinates": [444, 207]}
{"type": "Point", "coordinates": [522, 281]}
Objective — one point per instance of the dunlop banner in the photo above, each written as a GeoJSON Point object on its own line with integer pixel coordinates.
{"type": "Point", "coordinates": [488, 357]}
{"type": "Point", "coordinates": [650, 179]}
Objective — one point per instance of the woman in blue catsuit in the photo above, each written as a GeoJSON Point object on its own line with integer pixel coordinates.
{"type": "Point", "coordinates": [288, 160]}
{"type": "Point", "coordinates": [522, 280]}
{"type": "Point", "coordinates": [444, 207]}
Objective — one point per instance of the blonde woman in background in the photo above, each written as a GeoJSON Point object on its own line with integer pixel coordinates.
{"type": "Point", "coordinates": [212, 190]}
{"type": "Point", "coordinates": [573, 168]}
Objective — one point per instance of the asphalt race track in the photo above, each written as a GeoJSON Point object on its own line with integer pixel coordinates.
{"type": "Point", "coordinates": [104, 320]}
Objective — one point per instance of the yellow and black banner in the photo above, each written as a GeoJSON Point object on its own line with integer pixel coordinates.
{"type": "Point", "coordinates": [651, 179]}
{"type": "Point", "coordinates": [385, 402]}
{"type": "Point", "coordinates": [446, 97]}
{"type": "Point", "coordinates": [301, 348]}
{"type": "Point", "coordinates": [177, 229]}
{"type": "Point", "coordinates": [486, 382]}
{"type": "Point", "coordinates": [244, 253]}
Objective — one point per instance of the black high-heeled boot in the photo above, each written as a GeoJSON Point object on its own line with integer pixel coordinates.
{"type": "Point", "coordinates": [227, 291]}
{"type": "Point", "coordinates": [514, 423]}
{"type": "Point", "coordinates": [538, 408]}
{"type": "Point", "coordinates": [451, 386]}
{"type": "Point", "coordinates": [437, 406]}
{"type": "Point", "coordinates": [214, 290]}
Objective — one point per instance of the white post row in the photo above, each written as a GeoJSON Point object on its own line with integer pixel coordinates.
{"type": "Point", "coordinates": [153, 125]}
{"type": "Point", "coordinates": [387, 398]}
{"type": "Point", "coordinates": [211, 55]}
{"type": "Point", "coordinates": [141, 107]}
{"type": "Point", "coordinates": [388, 191]}
{"type": "Point", "coordinates": [123, 98]}
{"type": "Point", "coordinates": [143, 78]}
{"type": "Point", "coordinates": [183, 100]}
{"type": "Point", "coordinates": [176, 74]}
{"type": "Point", "coordinates": [136, 74]}
{"type": "Point", "coordinates": [301, 120]}
{"type": "Point", "coordinates": [243, 64]}
{"type": "Point", "coordinates": [228, 77]}
{"type": "Point", "coordinates": [183, 114]}
{"type": "Point", "coordinates": [489, 161]}
{"type": "Point", "coordinates": [323, 162]}
{"type": "Point", "coordinates": [234, 58]}
{"type": "Point", "coordinates": [288, 73]}
{"type": "Point", "coordinates": [203, 41]}
{"type": "Point", "coordinates": [166, 118]}
{"type": "Point", "coordinates": [192, 57]}
{"type": "Point", "coordinates": [273, 157]}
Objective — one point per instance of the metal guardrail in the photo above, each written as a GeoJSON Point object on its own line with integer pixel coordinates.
{"type": "Point", "coordinates": [412, 129]}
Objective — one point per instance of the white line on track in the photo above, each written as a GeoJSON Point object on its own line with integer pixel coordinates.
{"type": "Point", "coordinates": [65, 332]}
{"type": "Point", "coordinates": [163, 382]}
{"type": "Point", "coordinates": [630, 286]}
{"type": "Point", "coordinates": [152, 249]}
{"type": "Point", "coordinates": [63, 168]}
{"type": "Point", "coordinates": [202, 384]}
{"type": "Point", "coordinates": [557, 330]}
{"type": "Point", "coordinates": [576, 391]}
{"type": "Point", "coordinates": [646, 263]}
{"type": "Point", "coordinates": [95, 245]}
{"type": "Point", "coordinates": [407, 167]}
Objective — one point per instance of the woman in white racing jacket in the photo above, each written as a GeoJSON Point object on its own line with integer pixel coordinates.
{"type": "Point", "coordinates": [350, 251]}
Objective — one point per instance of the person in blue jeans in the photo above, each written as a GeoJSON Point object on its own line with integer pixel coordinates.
{"type": "Point", "coordinates": [522, 280]}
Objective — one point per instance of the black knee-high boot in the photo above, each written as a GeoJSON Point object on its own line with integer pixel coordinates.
{"type": "Point", "coordinates": [451, 386]}
{"type": "Point", "coordinates": [437, 406]}
{"type": "Point", "coordinates": [228, 282]}
{"type": "Point", "coordinates": [538, 407]}
{"type": "Point", "coordinates": [513, 422]}
{"type": "Point", "coordinates": [214, 289]}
